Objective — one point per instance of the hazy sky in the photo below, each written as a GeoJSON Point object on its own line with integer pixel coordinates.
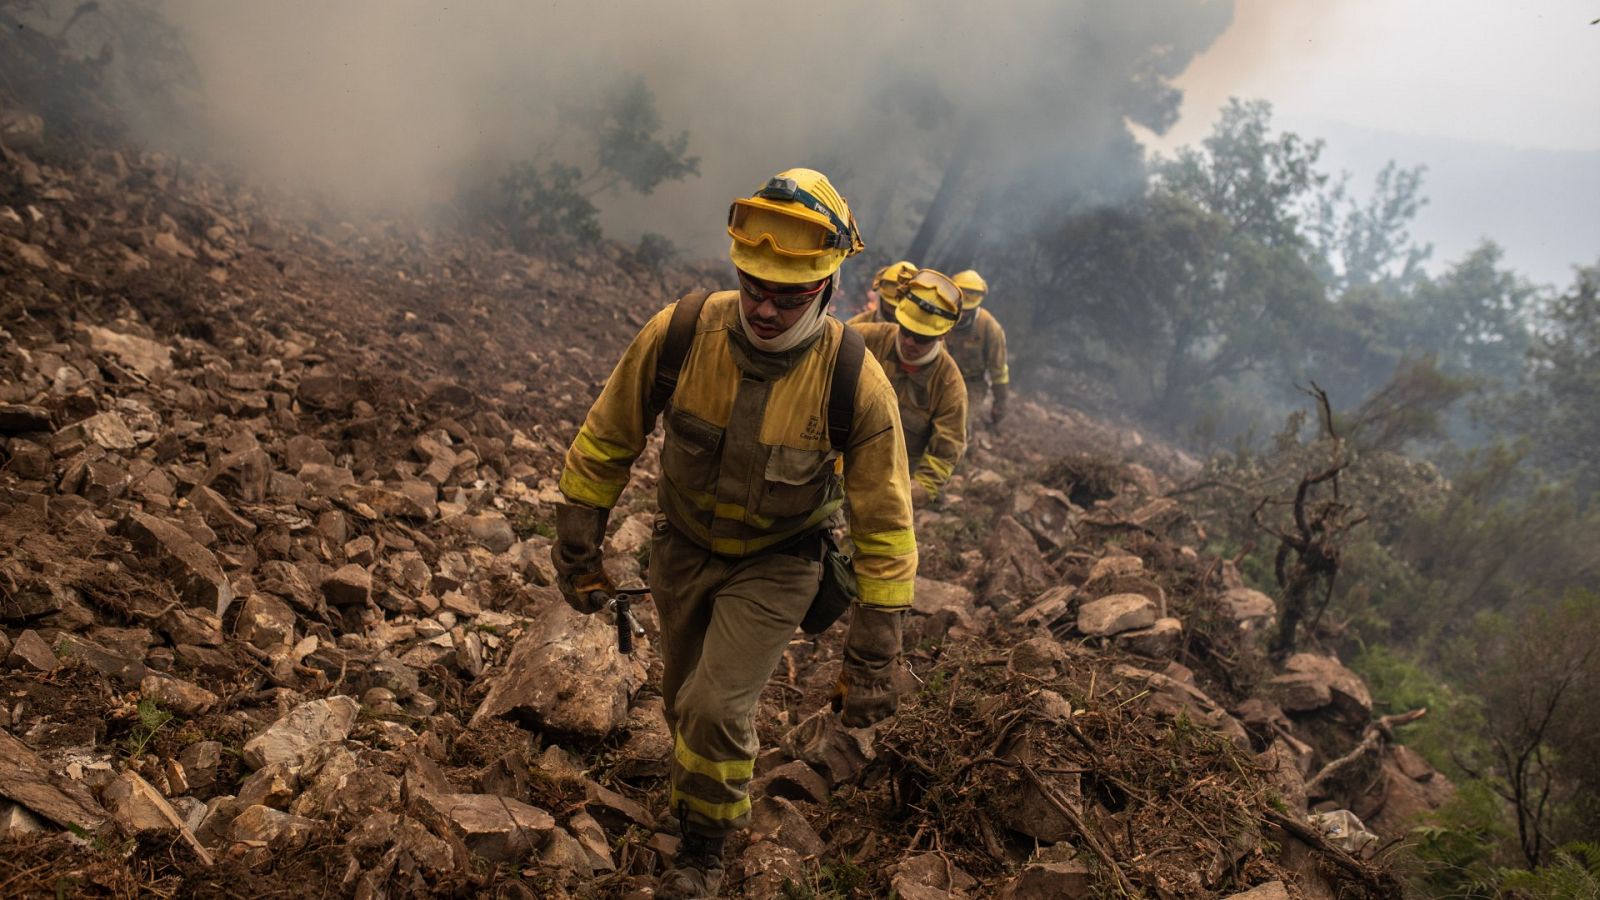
{"type": "Point", "coordinates": [1499, 99]}
{"type": "Point", "coordinates": [1518, 72]}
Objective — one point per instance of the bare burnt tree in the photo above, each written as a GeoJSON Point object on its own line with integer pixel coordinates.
{"type": "Point", "coordinates": [1310, 548]}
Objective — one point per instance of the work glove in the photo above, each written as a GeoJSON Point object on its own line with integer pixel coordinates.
{"type": "Point", "coordinates": [919, 494]}
{"type": "Point", "coordinates": [997, 409]}
{"type": "Point", "coordinates": [580, 530]}
{"type": "Point", "coordinates": [865, 693]}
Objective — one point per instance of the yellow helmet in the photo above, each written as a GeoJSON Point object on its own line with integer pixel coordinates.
{"type": "Point", "coordinates": [930, 304]}
{"type": "Point", "coordinates": [973, 287]}
{"type": "Point", "coordinates": [796, 229]}
{"type": "Point", "coordinates": [891, 280]}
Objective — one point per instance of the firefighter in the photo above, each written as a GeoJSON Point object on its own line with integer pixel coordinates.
{"type": "Point", "coordinates": [754, 463]}
{"type": "Point", "coordinates": [927, 382]}
{"type": "Point", "coordinates": [886, 288]}
{"type": "Point", "coordinates": [978, 344]}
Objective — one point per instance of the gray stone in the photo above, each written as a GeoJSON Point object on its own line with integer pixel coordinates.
{"type": "Point", "coordinates": [274, 785]}
{"type": "Point", "coordinates": [1064, 880]}
{"type": "Point", "coordinates": [106, 430]}
{"type": "Point", "coordinates": [565, 675]}
{"type": "Point", "coordinates": [150, 359]}
{"type": "Point", "coordinates": [182, 697]}
{"type": "Point", "coordinates": [305, 728]}
{"type": "Point", "coordinates": [127, 670]}
{"type": "Point", "coordinates": [499, 829]}
{"type": "Point", "coordinates": [200, 762]}
{"type": "Point", "coordinates": [265, 827]}
{"type": "Point", "coordinates": [218, 512]}
{"type": "Point", "coordinates": [266, 622]}
{"type": "Point", "coordinates": [30, 653]}
{"type": "Point", "coordinates": [1298, 692]}
{"type": "Point", "coordinates": [193, 569]}
{"type": "Point", "coordinates": [778, 820]}
{"type": "Point", "coordinates": [302, 449]}
{"type": "Point", "coordinates": [18, 418]}
{"type": "Point", "coordinates": [488, 528]}
{"type": "Point", "coordinates": [794, 781]}
{"type": "Point", "coordinates": [565, 853]}
{"type": "Point", "coordinates": [1346, 690]}
{"type": "Point", "coordinates": [349, 585]}
{"type": "Point", "coordinates": [930, 876]}
{"type": "Point", "coordinates": [932, 596]}
{"type": "Point", "coordinates": [1160, 640]}
{"type": "Point", "coordinates": [16, 820]}
{"type": "Point", "coordinates": [137, 806]}
{"type": "Point", "coordinates": [1251, 609]}
{"type": "Point", "coordinates": [835, 751]}
{"type": "Point", "coordinates": [1116, 614]}
{"type": "Point", "coordinates": [28, 780]}
{"type": "Point", "coordinates": [593, 840]}
{"type": "Point", "coordinates": [1118, 565]}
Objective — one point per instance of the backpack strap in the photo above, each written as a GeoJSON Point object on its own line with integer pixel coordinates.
{"type": "Point", "coordinates": [675, 349]}
{"type": "Point", "coordinates": [842, 393]}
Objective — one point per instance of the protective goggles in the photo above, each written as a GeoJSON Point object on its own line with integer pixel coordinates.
{"type": "Point", "coordinates": [928, 282]}
{"type": "Point", "coordinates": [921, 340]}
{"type": "Point", "coordinates": [782, 299]}
{"type": "Point", "coordinates": [791, 232]}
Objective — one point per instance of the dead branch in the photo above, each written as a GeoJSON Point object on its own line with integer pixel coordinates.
{"type": "Point", "coordinates": [1377, 736]}
{"type": "Point", "coordinates": [1106, 859]}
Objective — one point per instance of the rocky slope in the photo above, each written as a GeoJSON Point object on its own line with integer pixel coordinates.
{"type": "Point", "coordinates": [276, 615]}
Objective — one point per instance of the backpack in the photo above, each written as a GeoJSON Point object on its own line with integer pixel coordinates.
{"type": "Point", "coordinates": [680, 336]}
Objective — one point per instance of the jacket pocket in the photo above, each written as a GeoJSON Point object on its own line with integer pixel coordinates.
{"type": "Point", "coordinates": [797, 481]}
{"type": "Point", "coordinates": [690, 451]}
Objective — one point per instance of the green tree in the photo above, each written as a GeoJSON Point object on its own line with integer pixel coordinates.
{"type": "Point", "coordinates": [1362, 244]}
{"type": "Point", "coordinates": [1260, 183]}
{"type": "Point", "coordinates": [1474, 318]}
{"type": "Point", "coordinates": [548, 202]}
{"type": "Point", "coordinates": [1535, 671]}
{"type": "Point", "coordinates": [1558, 411]}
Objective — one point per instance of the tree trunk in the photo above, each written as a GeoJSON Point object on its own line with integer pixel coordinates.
{"type": "Point", "coordinates": [949, 186]}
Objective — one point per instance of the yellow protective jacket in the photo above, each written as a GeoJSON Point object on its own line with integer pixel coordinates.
{"type": "Point", "coordinates": [746, 464]}
{"type": "Point", "coordinates": [867, 317]}
{"type": "Point", "coordinates": [933, 406]}
{"type": "Point", "coordinates": [980, 349]}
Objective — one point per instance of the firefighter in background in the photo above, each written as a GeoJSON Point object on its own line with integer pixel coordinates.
{"type": "Point", "coordinates": [927, 382]}
{"type": "Point", "coordinates": [886, 287]}
{"type": "Point", "coordinates": [752, 467]}
{"type": "Point", "coordinates": [978, 344]}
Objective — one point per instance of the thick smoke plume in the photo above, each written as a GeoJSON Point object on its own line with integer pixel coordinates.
{"type": "Point", "coordinates": [395, 105]}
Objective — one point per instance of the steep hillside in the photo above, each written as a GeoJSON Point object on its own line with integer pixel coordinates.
{"type": "Point", "coordinates": [276, 499]}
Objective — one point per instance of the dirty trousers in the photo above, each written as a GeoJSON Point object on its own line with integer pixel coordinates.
{"type": "Point", "coordinates": [725, 622]}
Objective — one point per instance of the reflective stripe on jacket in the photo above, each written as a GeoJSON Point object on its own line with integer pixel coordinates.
{"type": "Point", "coordinates": [933, 407]}
{"type": "Point", "coordinates": [746, 464]}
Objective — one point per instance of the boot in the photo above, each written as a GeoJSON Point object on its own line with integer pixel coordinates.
{"type": "Point", "coordinates": [696, 870]}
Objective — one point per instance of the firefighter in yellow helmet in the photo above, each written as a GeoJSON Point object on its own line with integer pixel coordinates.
{"type": "Point", "coordinates": [887, 286]}
{"type": "Point", "coordinates": [927, 382]}
{"type": "Point", "coordinates": [762, 441]}
{"type": "Point", "coordinates": [978, 344]}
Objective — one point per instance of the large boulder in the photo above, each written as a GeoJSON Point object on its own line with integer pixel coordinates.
{"type": "Point", "coordinates": [1312, 681]}
{"type": "Point", "coordinates": [305, 728]}
{"type": "Point", "coordinates": [566, 675]}
{"type": "Point", "coordinates": [499, 829]}
{"type": "Point", "coordinates": [194, 571]}
{"type": "Point", "coordinates": [1015, 568]}
{"type": "Point", "coordinates": [1116, 614]}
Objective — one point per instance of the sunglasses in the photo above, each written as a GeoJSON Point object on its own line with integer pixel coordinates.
{"type": "Point", "coordinates": [921, 340]}
{"type": "Point", "coordinates": [785, 300]}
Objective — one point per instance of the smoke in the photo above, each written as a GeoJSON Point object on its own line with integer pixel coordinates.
{"type": "Point", "coordinates": [395, 105]}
